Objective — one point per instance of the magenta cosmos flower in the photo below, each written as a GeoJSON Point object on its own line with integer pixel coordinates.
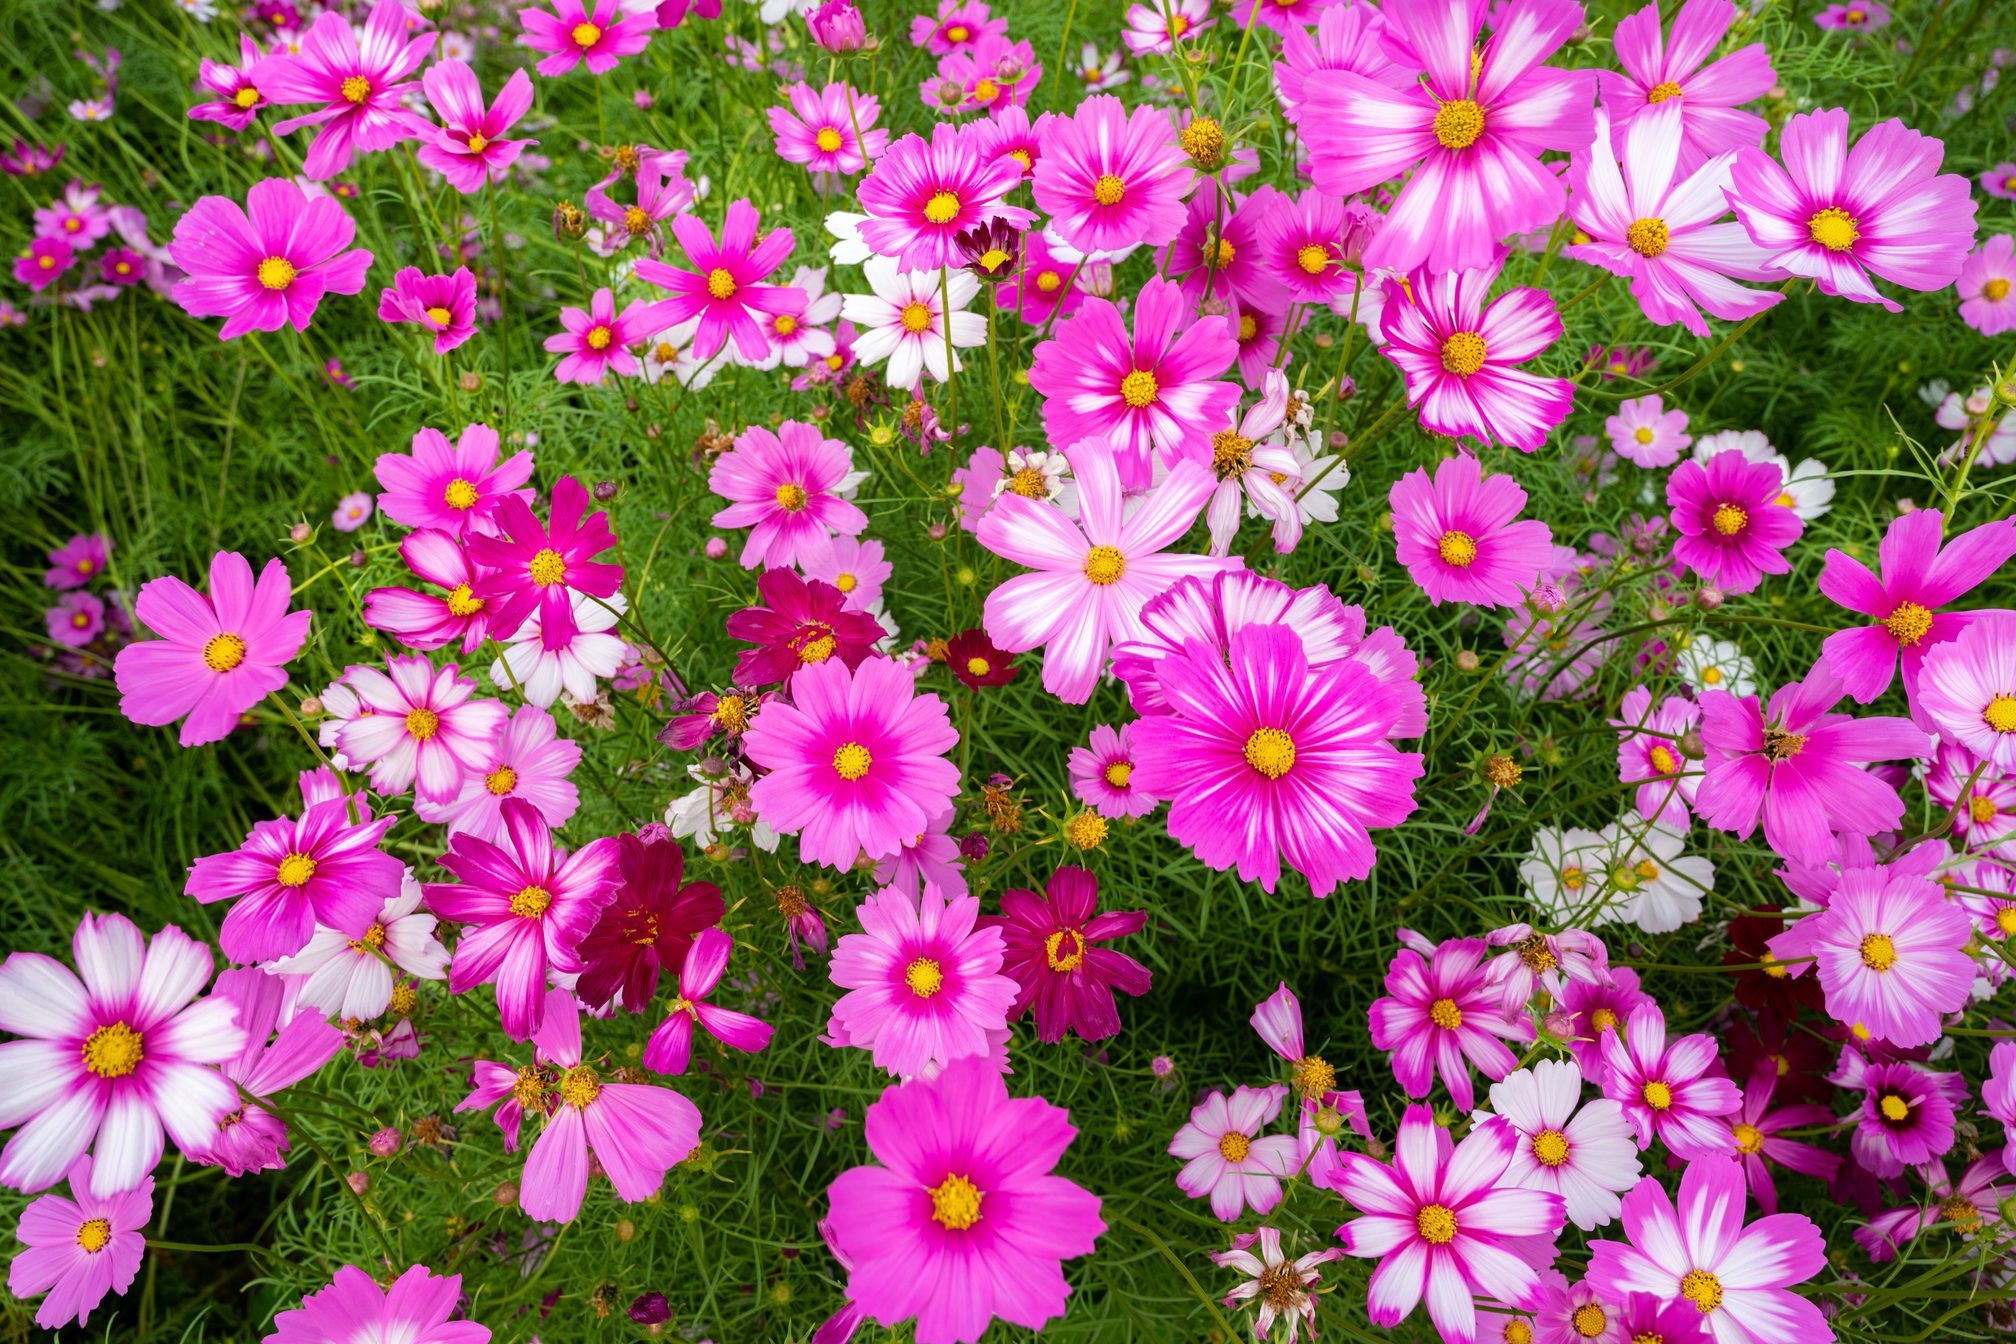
{"type": "Point", "coordinates": [1760, 1145]}
{"type": "Point", "coordinates": [536, 570]}
{"type": "Point", "coordinates": [1967, 688]}
{"type": "Point", "coordinates": [1066, 981]}
{"type": "Point", "coordinates": [238, 98]}
{"type": "Point", "coordinates": [1663, 231]}
{"type": "Point", "coordinates": [1095, 572]}
{"type": "Point", "coordinates": [217, 656]}
{"type": "Point", "coordinates": [829, 130]}
{"type": "Point", "coordinates": [1475, 126]}
{"type": "Point", "coordinates": [1798, 767]}
{"type": "Point", "coordinates": [444, 305]}
{"type": "Point", "coordinates": [1264, 759]}
{"type": "Point", "coordinates": [856, 761]}
{"type": "Point", "coordinates": [528, 760]}
{"type": "Point", "coordinates": [1457, 355]}
{"type": "Point", "coordinates": [573, 34]}
{"type": "Point", "coordinates": [420, 727]}
{"type": "Point", "coordinates": [1918, 577]}
{"type": "Point", "coordinates": [1227, 1159]}
{"type": "Point", "coordinates": [1739, 1278]}
{"type": "Point", "coordinates": [468, 147]}
{"type": "Point", "coordinates": [77, 561]}
{"type": "Point", "coordinates": [1845, 219]}
{"type": "Point", "coordinates": [799, 622]}
{"type": "Point", "coordinates": [1890, 953]}
{"type": "Point", "coordinates": [532, 904]}
{"type": "Point", "coordinates": [725, 288]}
{"type": "Point", "coordinates": [1111, 179]}
{"type": "Point", "coordinates": [670, 1048]}
{"type": "Point", "coordinates": [1665, 1088]}
{"type": "Point", "coordinates": [1458, 537]}
{"type": "Point", "coordinates": [291, 875]}
{"type": "Point", "coordinates": [1157, 390]}
{"type": "Point", "coordinates": [267, 265]}
{"type": "Point", "coordinates": [922, 195]}
{"type": "Point", "coordinates": [649, 923]}
{"type": "Point", "coordinates": [596, 339]}
{"type": "Point", "coordinates": [1443, 1014]}
{"type": "Point", "coordinates": [783, 487]}
{"type": "Point", "coordinates": [361, 84]}
{"type": "Point", "coordinates": [113, 1058]}
{"type": "Point", "coordinates": [422, 620]}
{"type": "Point", "coordinates": [1733, 528]}
{"type": "Point", "coordinates": [252, 1138]}
{"type": "Point", "coordinates": [964, 1221]}
{"type": "Point", "coordinates": [1676, 72]}
{"type": "Point", "coordinates": [1102, 774]}
{"type": "Point", "coordinates": [1649, 755]}
{"type": "Point", "coordinates": [417, 1309]}
{"type": "Point", "coordinates": [80, 1248]}
{"type": "Point", "coordinates": [1443, 1225]}
{"type": "Point", "coordinates": [448, 487]}
{"type": "Point", "coordinates": [924, 981]}
{"type": "Point", "coordinates": [1987, 286]}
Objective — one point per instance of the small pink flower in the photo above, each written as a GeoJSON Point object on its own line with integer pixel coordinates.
{"type": "Point", "coordinates": [422, 620]}
{"type": "Point", "coordinates": [1111, 179]}
{"type": "Point", "coordinates": [75, 620]}
{"type": "Point", "coordinates": [1227, 1159]}
{"type": "Point", "coordinates": [829, 130]}
{"type": "Point", "coordinates": [1674, 71]}
{"type": "Point", "coordinates": [446, 487]}
{"type": "Point", "coordinates": [527, 760]}
{"type": "Point", "coordinates": [597, 339]}
{"type": "Point", "coordinates": [1733, 528]}
{"type": "Point", "coordinates": [77, 561]}
{"type": "Point", "coordinates": [79, 1249]}
{"type": "Point", "coordinates": [1667, 1090]}
{"type": "Point", "coordinates": [1457, 535]}
{"type": "Point", "coordinates": [572, 34]}
{"type": "Point", "coordinates": [442, 304]}
{"type": "Point", "coordinates": [725, 288]}
{"type": "Point", "coordinates": [1458, 356]}
{"type": "Point", "coordinates": [1644, 432]}
{"type": "Point", "coordinates": [1987, 286]}
{"type": "Point", "coordinates": [1649, 755]}
{"type": "Point", "coordinates": [266, 265]}
{"type": "Point", "coordinates": [924, 982]}
{"type": "Point", "coordinates": [238, 97]}
{"type": "Point", "coordinates": [1443, 1014]}
{"type": "Point", "coordinates": [422, 728]}
{"type": "Point", "coordinates": [1102, 774]}
{"type": "Point", "coordinates": [536, 569]}
{"type": "Point", "coordinates": [469, 147]}
{"type": "Point", "coordinates": [419, 1307]}
{"type": "Point", "coordinates": [351, 512]}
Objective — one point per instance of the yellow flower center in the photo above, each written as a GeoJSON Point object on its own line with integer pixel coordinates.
{"type": "Point", "coordinates": [459, 494]}
{"type": "Point", "coordinates": [852, 760]}
{"type": "Point", "coordinates": [1445, 1014]}
{"type": "Point", "coordinates": [373, 939]}
{"type": "Point", "coordinates": [1234, 1146]}
{"type": "Point", "coordinates": [1056, 955]}
{"type": "Point", "coordinates": [1589, 1320]}
{"type": "Point", "coordinates": [846, 583]}
{"type": "Point", "coordinates": [501, 780]}
{"type": "Point", "coordinates": [462, 601]}
{"type": "Point", "coordinates": [1603, 1019]}
{"type": "Point", "coordinates": [791, 497]}
{"type": "Point", "coordinates": [2001, 713]}
{"type": "Point", "coordinates": [1550, 1148]}
{"type": "Point", "coordinates": [113, 1051]}
{"type": "Point", "coordinates": [1834, 229]}
{"type": "Point", "coordinates": [1118, 773]}
{"type": "Point", "coordinates": [1048, 281]}
{"type": "Point", "coordinates": [784, 324]}
{"type": "Point", "coordinates": [636, 220]}
{"type": "Point", "coordinates": [1087, 830]}
{"type": "Point", "coordinates": [1313, 258]}
{"type": "Point", "coordinates": [1663, 760]}
{"type": "Point", "coordinates": [1642, 434]}
{"type": "Point", "coordinates": [924, 977]}
{"type": "Point", "coordinates": [828, 139]}
{"type": "Point", "coordinates": [530, 1089]}
{"type": "Point", "coordinates": [1204, 141]}
{"type": "Point", "coordinates": [422, 723]}
{"type": "Point", "coordinates": [1314, 1076]}
{"type": "Point", "coordinates": [1108, 189]}
{"type": "Point", "coordinates": [1459, 124]}
{"type": "Point", "coordinates": [93, 1235]}
{"type": "Point", "coordinates": [993, 259]}
{"type": "Point", "coordinates": [1658, 1096]}
{"type": "Point", "coordinates": [579, 1086]}
{"type": "Point", "coordinates": [978, 666]}
{"type": "Point", "coordinates": [548, 567]}
{"type": "Point", "coordinates": [1457, 548]}
{"type": "Point", "coordinates": [295, 870]}
{"type": "Point", "coordinates": [477, 142]}
{"type": "Point", "coordinates": [1271, 752]}
{"type": "Point", "coordinates": [1648, 237]}
{"type": "Point", "coordinates": [1138, 388]}
{"type": "Point", "coordinates": [1104, 565]}
{"type": "Point", "coordinates": [530, 902]}
{"type": "Point", "coordinates": [222, 652]}
{"type": "Point", "coordinates": [1572, 877]}
{"type": "Point", "coordinates": [1223, 254]}
{"type": "Point", "coordinates": [1749, 1138]}
{"type": "Point", "coordinates": [1895, 1109]}
{"type": "Point", "coordinates": [720, 284]}
{"type": "Point", "coordinates": [1962, 1213]}
{"type": "Point", "coordinates": [1518, 1331]}
{"type": "Point", "coordinates": [1231, 453]}
{"type": "Point", "coordinates": [1908, 624]}
{"type": "Point", "coordinates": [1995, 290]}
{"type": "Point", "coordinates": [817, 650]}
{"type": "Point", "coordinates": [1437, 1224]}
{"type": "Point", "coordinates": [1661, 92]}
{"type": "Point", "coordinates": [1783, 746]}
{"type": "Point", "coordinates": [1463, 353]}
{"type": "Point", "coordinates": [247, 97]}
{"type": "Point", "coordinates": [356, 89]}
{"type": "Point", "coordinates": [1703, 1289]}
{"type": "Point", "coordinates": [1879, 954]}
{"type": "Point", "coordinates": [1249, 327]}
{"type": "Point", "coordinates": [942, 208]}
{"type": "Point", "coordinates": [586, 35]}
{"type": "Point", "coordinates": [2005, 920]}
{"type": "Point", "coordinates": [1713, 676]}
{"type": "Point", "coordinates": [441, 317]}
{"type": "Point", "coordinates": [1731, 519]}
{"type": "Point", "coordinates": [600, 337]}
{"type": "Point", "coordinates": [955, 1203]}
{"type": "Point", "coordinates": [276, 273]}
{"type": "Point", "coordinates": [916, 317]}
{"type": "Point", "coordinates": [1029, 483]}
{"type": "Point", "coordinates": [957, 33]}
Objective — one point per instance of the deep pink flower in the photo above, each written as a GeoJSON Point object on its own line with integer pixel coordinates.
{"type": "Point", "coordinates": [1475, 126]}
{"type": "Point", "coordinates": [800, 623]}
{"type": "Point", "coordinates": [572, 34]}
{"type": "Point", "coordinates": [417, 1309]}
{"type": "Point", "coordinates": [783, 486]}
{"type": "Point", "coordinates": [422, 620]}
{"type": "Point", "coordinates": [1227, 1159]}
{"type": "Point", "coordinates": [469, 147]}
{"type": "Point", "coordinates": [217, 656]}
{"type": "Point", "coordinates": [1301, 242]}
{"type": "Point", "coordinates": [238, 97]}
{"type": "Point", "coordinates": [1848, 218]}
{"type": "Point", "coordinates": [1998, 1094]}
{"type": "Point", "coordinates": [1457, 535]}
{"type": "Point", "coordinates": [536, 570]}
{"type": "Point", "coordinates": [80, 1248]}
{"type": "Point", "coordinates": [531, 904]}
{"type": "Point", "coordinates": [442, 304]}
{"type": "Point", "coordinates": [110, 1055]}
{"type": "Point", "coordinates": [650, 922]}
{"type": "Point", "coordinates": [419, 727]}
{"type": "Point", "coordinates": [1102, 774]}
{"type": "Point", "coordinates": [526, 759]}
{"type": "Point", "coordinates": [45, 262]}
{"type": "Point", "coordinates": [856, 765]}
{"type": "Point", "coordinates": [597, 339]}
{"type": "Point", "coordinates": [77, 561]}
{"type": "Point", "coordinates": [671, 1045]}
{"type": "Point", "coordinates": [956, 24]}
{"type": "Point", "coordinates": [360, 84]}
{"type": "Point", "coordinates": [829, 130]}
{"type": "Point", "coordinates": [662, 192]}
{"type": "Point", "coordinates": [921, 196]}
{"type": "Point", "coordinates": [1595, 1012]}
{"type": "Point", "coordinates": [291, 875]}
{"type": "Point", "coordinates": [1649, 755]}
{"type": "Point", "coordinates": [1443, 1015]}
{"type": "Point", "coordinates": [1733, 528]}
{"type": "Point", "coordinates": [1976, 1198]}
{"type": "Point", "coordinates": [965, 1193]}
{"type": "Point", "coordinates": [1218, 252]}
{"type": "Point", "coordinates": [924, 982]}
{"type": "Point", "coordinates": [725, 288]}
{"type": "Point", "coordinates": [1907, 1117]}
{"type": "Point", "coordinates": [1066, 981]}
{"type": "Point", "coordinates": [1667, 1090]}
{"type": "Point", "coordinates": [75, 620]}
{"type": "Point", "coordinates": [284, 1044]}
{"type": "Point", "coordinates": [446, 487]}
{"type": "Point", "coordinates": [1156, 390]}
{"type": "Point", "coordinates": [1443, 1226]}
{"type": "Point", "coordinates": [1111, 179]}
{"type": "Point", "coordinates": [267, 265]}
{"type": "Point", "coordinates": [1044, 283]}
{"type": "Point", "coordinates": [1677, 73]}
{"type": "Point", "coordinates": [1347, 37]}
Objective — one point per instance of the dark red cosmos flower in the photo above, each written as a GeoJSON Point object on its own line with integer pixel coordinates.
{"type": "Point", "coordinates": [1773, 991]}
{"type": "Point", "coordinates": [799, 622]}
{"type": "Point", "coordinates": [1798, 1058]}
{"type": "Point", "coordinates": [1066, 981]}
{"type": "Point", "coordinates": [648, 924]}
{"type": "Point", "coordinates": [532, 568]}
{"type": "Point", "coordinates": [976, 662]}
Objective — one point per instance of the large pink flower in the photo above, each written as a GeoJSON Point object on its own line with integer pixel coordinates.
{"type": "Point", "coordinates": [1675, 72]}
{"type": "Point", "coordinates": [1458, 356]}
{"type": "Point", "coordinates": [924, 981]}
{"type": "Point", "coordinates": [267, 265]}
{"type": "Point", "coordinates": [361, 85]}
{"type": "Point", "coordinates": [783, 487]}
{"type": "Point", "coordinates": [922, 195]}
{"type": "Point", "coordinates": [417, 1309]}
{"type": "Point", "coordinates": [1443, 1015]}
{"type": "Point", "coordinates": [1111, 179]}
{"type": "Point", "coordinates": [1461, 537]}
{"type": "Point", "coordinates": [291, 875]}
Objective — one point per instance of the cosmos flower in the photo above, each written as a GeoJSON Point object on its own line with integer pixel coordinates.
{"type": "Point", "coordinates": [345, 977]}
{"type": "Point", "coordinates": [1281, 1287]}
{"type": "Point", "coordinates": [442, 304]}
{"type": "Point", "coordinates": [1676, 72]}
{"type": "Point", "coordinates": [800, 623]}
{"type": "Point", "coordinates": [1645, 433]}
{"type": "Point", "coordinates": [1102, 774]}
{"type": "Point", "coordinates": [469, 147]}
{"type": "Point", "coordinates": [1733, 527]}
{"type": "Point", "coordinates": [360, 84]}
{"type": "Point", "coordinates": [1967, 688]}
{"type": "Point", "coordinates": [1066, 981]}
{"type": "Point", "coordinates": [535, 568]}
{"type": "Point", "coordinates": [449, 487]}
{"type": "Point", "coordinates": [857, 568]}
{"type": "Point", "coordinates": [662, 192]}
{"type": "Point", "coordinates": [1649, 755]}
{"type": "Point", "coordinates": [77, 561]}
{"type": "Point", "coordinates": [526, 759]}
{"type": "Point", "coordinates": [76, 619]}
{"type": "Point", "coordinates": [1457, 355]}
{"type": "Point", "coordinates": [418, 1308]}
{"type": "Point", "coordinates": [283, 1046]}
{"type": "Point", "coordinates": [1666, 1090]}
{"type": "Point", "coordinates": [725, 289]}
{"type": "Point", "coordinates": [1975, 1199]}
{"type": "Point", "coordinates": [421, 727]}
{"type": "Point", "coordinates": [922, 194]}
{"type": "Point", "coordinates": [80, 1248]}
{"type": "Point", "coordinates": [596, 340]}
{"type": "Point", "coordinates": [1443, 1014]}
{"type": "Point", "coordinates": [782, 486]}
{"type": "Point", "coordinates": [1227, 1159]}
{"type": "Point", "coordinates": [268, 264]}
{"type": "Point", "coordinates": [1583, 1152]}
{"type": "Point", "coordinates": [575, 35]}
{"type": "Point", "coordinates": [1457, 535]}
{"type": "Point", "coordinates": [904, 321]}
{"type": "Point", "coordinates": [1154, 29]}
{"type": "Point", "coordinates": [1907, 1117]}
{"type": "Point", "coordinates": [1985, 283]}
{"type": "Point", "coordinates": [649, 924]}
{"type": "Point", "coordinates": [1110, 178]}
{"type": "Point", "coordinates": [670, 1048]}
{"type": "Point", "coordinates": [924, 981]}
{"type": "Point", "coordinates": [238, 99]}
{"type": "Point", "coordinates": [422, 620]}
{"type": "Point", "coordinates": [954, 24]}
{"type": "Point", "coordinates": [1044, 284]}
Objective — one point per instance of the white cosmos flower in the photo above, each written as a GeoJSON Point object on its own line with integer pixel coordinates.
{"type": "Point", "coordinates": [1564, 875]}
{"type": "Point", "coordinates": [542, 673]}
{"type": "Point", "coordinates": [903, 321]}
{"type": "Point", "coordinates": [1717, 665]}
{"type": "Point", "coordinates": [1651, 883]}
{"type": "Point", "coordinates": [1587, 1154]}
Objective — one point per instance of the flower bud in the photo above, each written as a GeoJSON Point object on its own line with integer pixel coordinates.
{"type": "Point", "coordinates": [1708, 597]}
{"type": "Point", "coordinates": [837, 26]}
{"type": "Point", "coordinates": [386, 1142]}
{"type": "Point", "coordinates": [300, 533]}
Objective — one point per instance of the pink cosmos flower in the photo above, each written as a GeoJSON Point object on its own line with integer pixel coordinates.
{"type": "Point", "coordinates": [1102, 774]}
{"type": "Point", "coordinates": [671, 1045]}
{"type": "Point", "coordinates": [469, 147]}
{"type": "Point", "coordinates": [829, 130]}
{"type": "Point", "coordinates": [1301, 244]}
{"type": "Point", "coordinates": [725, 288]}
{"type": "Point", "coordinates": [783, 487]}
{"type": "Point", "coordinates": [417, 1309]}
{"type": "Point", "coordinates": [1859, 17]}
{"type": "Point", "coordinates": [360, 84]}
{"type": "Point", "coordinates": [573, 34]}
{"type": "Point", "coordinates": [1154, 29]}
{"type": "Point", "coordinates": [1217, 253]}
{"type": "Point", "coordinates": [283, 1046]}
{"type": "Point", "coordinates": [1666, 1089]}
{"type": "Point", "coordinates": [44, 263]}
{"type": "Point", "coordinates": [1663, 230]}
{"type": "Point", "coordinates": [75, 620]}
{"type": "Point", "coordinates": [1281, 1287]}
{"type": "Point", "coordinates": [1918, 578]}
{"type": "Point", "coordinates": [341, 976]}
{"type": "Point", "coordinates": [1739, 1278]}
{"type": "Point", "coordinates": [217, 656]}
{"type": "Point", "coordinates": [1346, 38]}
{"type": "Point", "coordinates": [79, 1249]}
{"type": "Point", "coordinates": [291, 875]}
{"type": "Point", "coordinates": [532, 904]}
{"type": "Point", "coordinates": [597, 339]}
{"type": "Point", "coordinates": [922, 195]}
{"type": "Point", "coordinates": [1998, 1094]}
{"type": "Point", "coordinates": [1257, 472]}
{"type": "Point", "coordinates": [1044, 284]}
{"type": "Point", "coordinates": [1799, 767]}
{"type": "Point", "coordinates": [1585, 1153]}
{"type": "Point", "coordinates": [1538, 962]}
{"type": "Point", "coordinates": [1846, 219]}
{"type": "Point", "coordinates": [421, 620]}
{"type": "Point", "coordinates": [857, 568]}
{"type": "Point", "coordinates": [1967, 688]}
{"type": "Point", "coordinates": [1649, 755]}
{"type": "Point", "coordinates": [101, 1060]}
{"type": "Point", "coordinates": [421, 728]}
{"type": "Point", "coordinates": [1110, 179]}
{"type": "Point", "coordinates": [238, 99]}
{"type": "Point", "coordinates": [1457, 356]}
{"type": "Point", "coordinates": [1678, 73]}
{"type": "Point", "coordinates": [1906, 1120]}
{"type": "Point", "coordinates": [965, 1193]}
{"type": "Point", "coordinates": [1889, 951]}
{"type": "Point", "coordinates": [1227, 1159]}
{"type": "Point", "coordinates": [1443, 1224]}
{"type": "Point", "coordinates": [800, 622]}
{"type": "Point", "coordinates": [1283, 16]}
{"type": "Point", "coordinates": [1595, 1012]}
{"type": "Point", "coordinates": [856, 764]}
{"type": "Point", "coordinates": [1733, 528]}
{"type": "Point", "coordinates": [956, 24]}
{"type": "Point", "coordinates": [442, 304]}
{"type": "Point", "coordinates": [1442, 1015]}
{"type": "Point", "coordinates": [446, 487]}
{"type": "Point", "coordinates": [1985, 284]}
{"type": "Point", "coordinates": [924, 981]}
{"type": "Point", "coordinates": [1983, 802]}
{"type": "Point", "coordinates": [1644, 432]}
{"type": "Point", "coordinates": [662, 192]}
{"type": "Point", "coordinates": [1277, 1021]}
{"type": "Point", "coordinates": [1094, 573]}
{"type": "Point", "coordinates": [537, 570]}
{"type": "Point", "coordinates": [528, 760]}
{"type": "Point", "coordinates": [1975, 1199]}
{"type": "Point", "coordinates": [1476, 128]}
{"type": "Point", "coordinates": [1456, 534]}
{"type": "Point", "coordinates": [268, 264]}
{"type": "Point", "coordinates": [1066, 981]}
{"type": "Point", "coordinates": [77, 561]}
{"type": "Point", "coordinates": [351, 512]}
{"type": "Point", "coordinates": [649, 924]}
